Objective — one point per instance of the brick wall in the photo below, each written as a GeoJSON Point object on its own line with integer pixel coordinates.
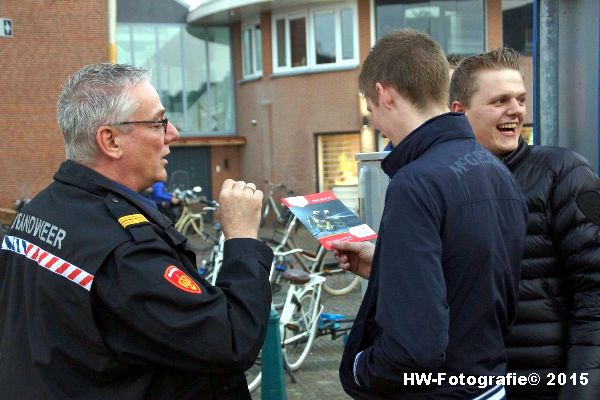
{"type": "Point", "coordinates": [290, 110]}
{"type": "Point", "coordinates": [52, 39]}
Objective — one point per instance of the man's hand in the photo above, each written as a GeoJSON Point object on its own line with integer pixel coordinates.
{"type": "Point", "coordinates": [355, 257]}
{"type": "Point", "coordinates": [239, 209]}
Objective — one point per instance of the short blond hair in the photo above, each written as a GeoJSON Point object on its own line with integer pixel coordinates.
{"type": "Point", "coordinates": [464, 80]}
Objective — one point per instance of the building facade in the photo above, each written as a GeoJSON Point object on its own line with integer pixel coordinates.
{"type": "Point", "coordinates": [296, 63]}
{"type": "Point", "coordinates": [50, 40]}
{"type": "Point", "coordinates": [267, 89]}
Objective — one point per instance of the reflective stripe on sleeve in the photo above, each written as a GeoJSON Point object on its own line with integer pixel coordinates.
{"type": "Point", "coordinates": [48, 261]}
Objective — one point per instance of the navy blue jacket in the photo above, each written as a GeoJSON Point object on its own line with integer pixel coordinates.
{"type": "Point", "coordinates": [443, 286]}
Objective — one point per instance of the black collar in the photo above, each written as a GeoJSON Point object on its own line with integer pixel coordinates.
{"type": "Point", "coordinates": [79, 175]}
{"type": "Point", "coordinates": [519, 154]}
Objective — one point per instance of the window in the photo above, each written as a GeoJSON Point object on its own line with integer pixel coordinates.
{"type": "Point", "coordinates": [197, 93]}
{"type": "Point", "coordinates": [517, 25]}
{"type": "Point", "coordinates": [457, 25]}
{"type": "Point", "coordinates": [316, 38]}
{"type": "Point", "coordinates": [337, 169]}
{"type": "Point", "coordinates": [252, 50]}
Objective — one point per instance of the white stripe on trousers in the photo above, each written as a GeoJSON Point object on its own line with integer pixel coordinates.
{"type": "Point", "coordinates": [493, 394]}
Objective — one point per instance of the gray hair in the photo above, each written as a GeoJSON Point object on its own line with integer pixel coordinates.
{"type": "Point", "coordinates": [96, 95]}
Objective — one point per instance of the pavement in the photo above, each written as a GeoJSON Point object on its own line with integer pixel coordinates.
{"type": "Point", "coordinates": [317, 377]}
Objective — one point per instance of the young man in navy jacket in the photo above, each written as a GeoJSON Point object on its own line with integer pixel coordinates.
{"type": "Point", "coordinates": [444, 273]}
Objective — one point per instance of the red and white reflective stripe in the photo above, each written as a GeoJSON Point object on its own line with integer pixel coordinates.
{"type": "Point", "coordinates": [48, 260]}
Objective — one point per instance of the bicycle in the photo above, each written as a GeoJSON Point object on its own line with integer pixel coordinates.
{"type": "Point", "coordinates": [339, 281]}
{"type": "Point", "coordinates": [191, 220]}
{"type": "Point", "coordinates": [209, 268]}
{"type": "Point", "coordinates": [271, 205]}
{"type": "Point", "coordinates": [334, 325]}
{"type": "Point", "coordinates": [298, 321]}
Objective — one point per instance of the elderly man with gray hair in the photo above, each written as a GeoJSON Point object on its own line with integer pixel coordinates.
{"type": "Point", "coordinates": [99, 294]}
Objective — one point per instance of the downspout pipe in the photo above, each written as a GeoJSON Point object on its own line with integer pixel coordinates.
{"type": "Point", "coordinates": [548, 73]}
{"type": "Point", "coordinates": [536, 73]}
{"type": "Point", "coordinates": [112, 31]}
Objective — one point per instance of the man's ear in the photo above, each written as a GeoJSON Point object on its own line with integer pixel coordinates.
{"type": "Point", "coordinates": [108, 140]}
{"type": "Point", "coordinates": [385, 95]}
{"type": "Point", "coordinates": [457, 107]}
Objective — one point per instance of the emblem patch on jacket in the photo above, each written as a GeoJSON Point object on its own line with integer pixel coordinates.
{"type": "Point", "coordinates": [180, 280]}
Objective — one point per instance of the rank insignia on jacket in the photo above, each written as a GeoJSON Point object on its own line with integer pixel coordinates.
{"type": "Point", "coordinates": [180, 280]}
{"type": "Point", "coordinates": [133, 219]}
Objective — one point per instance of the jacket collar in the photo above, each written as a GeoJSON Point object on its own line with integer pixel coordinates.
{"type": "Point", "coordinates": [76, 174]}
{"type": "Point", "coordinates": [519, 154]}
{"type": "Point", "coordinates": [439, 129]}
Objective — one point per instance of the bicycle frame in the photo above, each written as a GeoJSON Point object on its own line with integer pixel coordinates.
{"type": "Point", "coordinates": [216, 257]}
{"type": "Point", "coordinates": [315, 263]}
{"type": "Point", "coordinates": [293, 306]}
{"type": "Point", "coordinates": [294, 295]}
{"type": "Point", "coordinates": [272, 204]}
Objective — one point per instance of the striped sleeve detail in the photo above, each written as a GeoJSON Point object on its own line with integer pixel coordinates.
{"type": "Point", "coordinates": [48, 261]}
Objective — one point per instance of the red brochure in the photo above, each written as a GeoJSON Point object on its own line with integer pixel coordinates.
{"type": "Point", "coordinates": [328, 219]}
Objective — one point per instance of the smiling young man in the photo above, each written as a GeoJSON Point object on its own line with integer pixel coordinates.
{"type": "Point", "coordinates": [443, 275]}
{"type": "Point", "coordinates": [99, 295]}
{"type": "Point", "coordinates": [558, 318]}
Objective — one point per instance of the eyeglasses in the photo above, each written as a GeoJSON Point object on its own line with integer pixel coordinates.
{"type": "Point", "coordinates": [164, 121]}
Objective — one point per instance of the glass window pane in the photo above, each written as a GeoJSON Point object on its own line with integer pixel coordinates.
{"type": "Point", "coordinates": [281, 49]}
{"type": "Point", "coordinates": [221, 110]}
{"type": "Point", "coordinates": [124, 44]}
{"type": "Point", "coordinates": [258, 48]}
{"type": "Point", "coordinates": [247, 52]}
{"type": "Point", "coordinates": [298, 41]}
{"type": "Point", "coordinates": [337, 167]}
{"type": "Point", "coordinates": [517, 25]}
{"type": "Point", "coordinates": [144, 47]}
{"type": "Point", "coordinates": [458, 26]}
{"type": "Point", "coordinates": [347, 25]}
{"type": "Point", "coordinates": [170, 72]}
{"type": "Point", "coordinates": [196, 80]}
{"type": "Point", "coordinates": [324, 37]}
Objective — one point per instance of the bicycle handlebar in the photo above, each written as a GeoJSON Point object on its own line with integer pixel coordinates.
{"type": "Point", "coordinates": [273, 185]}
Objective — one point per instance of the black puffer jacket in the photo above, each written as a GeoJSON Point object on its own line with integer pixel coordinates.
{"type": "Point", "coordinates": [558, 319]}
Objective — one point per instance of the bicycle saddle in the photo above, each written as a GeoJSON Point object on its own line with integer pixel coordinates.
{"type": "Point", "coordinates": [296, 276]}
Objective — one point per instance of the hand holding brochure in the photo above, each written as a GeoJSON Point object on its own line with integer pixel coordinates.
{"type": "Point", "coordinates": [328, 219]}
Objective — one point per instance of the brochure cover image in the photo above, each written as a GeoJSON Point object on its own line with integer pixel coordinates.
{"type": "Point", "coordinates": [328, 219]}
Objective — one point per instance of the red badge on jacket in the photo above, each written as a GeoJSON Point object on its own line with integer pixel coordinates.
{"type": "Point", "coordinates": [180, 280]}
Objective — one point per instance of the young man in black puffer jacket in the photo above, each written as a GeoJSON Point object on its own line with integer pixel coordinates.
{"type": "Point", "coordinates": [557, 332]}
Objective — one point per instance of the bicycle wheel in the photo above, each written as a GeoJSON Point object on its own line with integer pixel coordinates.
{"type": "Point", "coordinates": [254, 373]}
{"type": "Point", "coordinates": [339, 281]}
{"type": "Point", "coordinates": [299, 332]}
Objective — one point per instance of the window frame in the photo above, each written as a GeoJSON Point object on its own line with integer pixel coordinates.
{"type": "Point", "coordinates": [253, 26]}
{"type": "Point", "coordinates": [308, 13]}
{"type": "Point", "coordinates": [429, 3]}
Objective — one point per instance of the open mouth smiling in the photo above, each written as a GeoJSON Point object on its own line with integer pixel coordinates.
{"type": "Point", "coordinates": [508, 127]}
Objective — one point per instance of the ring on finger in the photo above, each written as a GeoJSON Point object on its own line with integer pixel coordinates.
{"type": "Point", "coordinates": [249, 187]}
